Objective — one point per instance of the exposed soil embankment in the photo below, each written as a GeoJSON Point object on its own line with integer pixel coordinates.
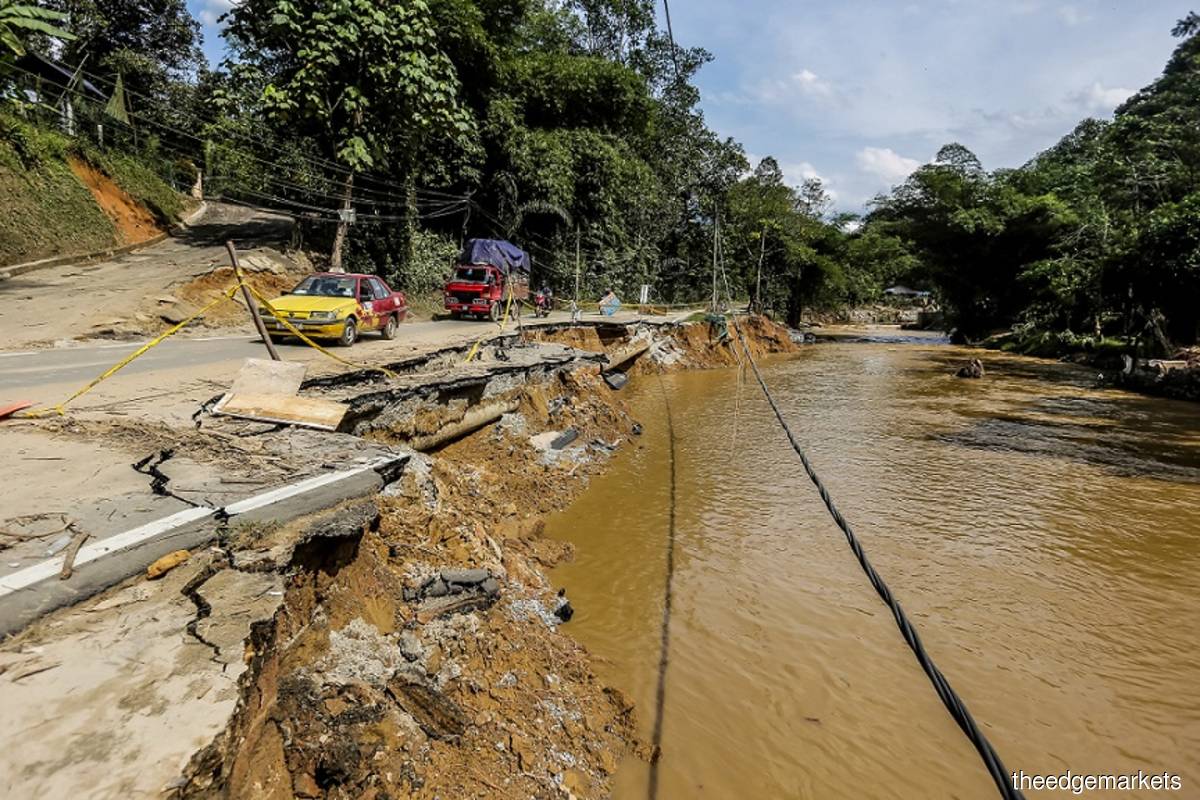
{"type": "Point", "coordinates": [424, 657]}
{"type": "Point", "coordinates": [131, 220]}
{"type": "Point", "coordinates": [411, 644]}
{"type": "Point", "coordinates": [60, 197]}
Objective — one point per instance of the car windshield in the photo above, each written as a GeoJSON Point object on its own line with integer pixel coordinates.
{"type": "Point", "coordinates": [473, 274]}
{"type": "Point", "coordinates": [326, 286]}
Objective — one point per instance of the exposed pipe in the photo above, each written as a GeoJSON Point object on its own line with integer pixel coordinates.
{"type": "Point", "coordinates": [473, 420]}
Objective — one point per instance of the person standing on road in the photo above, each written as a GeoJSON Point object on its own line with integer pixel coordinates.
{"type": "Point", "coordinates": [609, 303]}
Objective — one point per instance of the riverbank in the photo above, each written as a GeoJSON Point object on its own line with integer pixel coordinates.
{"type": "Point", "coordinates": [1037, 529]}
{"type": "Point", "coordinates": [1175, 376]}
{"type": "Point", "coordinates": [407, 644]}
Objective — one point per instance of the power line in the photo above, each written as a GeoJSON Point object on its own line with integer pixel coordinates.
{"type": "Point", "coordinates": [332, 165]}
{"type": "Point", "coordinates": [308, 161]}
{"type": "Point", "coordinates": [671, 37]}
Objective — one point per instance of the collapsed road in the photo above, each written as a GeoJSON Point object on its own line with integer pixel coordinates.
{"type": "Point", "coordinates": [341, 614]}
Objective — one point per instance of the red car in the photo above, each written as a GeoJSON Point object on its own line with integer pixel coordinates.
{"type": "Point", "coordinates": [338, 305]}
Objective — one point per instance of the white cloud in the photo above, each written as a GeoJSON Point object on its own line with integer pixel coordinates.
{"type": "Point", "coordinates": [885, 163]}
{"type": "Point", "coordinates": [796, 173]}
{"type": "Point", "coordinates": [1098, 97]}
{"type": "Point", "coordinates": [800, 171]}
{"type": "Point", "coordinates": [808, 83]}
{"type": "Point", "coordinates": [212, 10]}
{"type": "Point", "coordinates": [804, 83]}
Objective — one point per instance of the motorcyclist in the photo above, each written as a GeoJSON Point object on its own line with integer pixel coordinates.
{"type": "Point", "coordinates": [545, 298]}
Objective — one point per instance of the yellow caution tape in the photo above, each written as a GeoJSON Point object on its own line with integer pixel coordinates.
{"type": "Point", "coordinates": [60, 409]}
{"type": "Point", "coordinates": [296, 332]}
{"type": "Point", "coordinates": [503, 322]}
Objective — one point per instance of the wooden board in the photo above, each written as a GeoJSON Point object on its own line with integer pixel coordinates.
{"type": "Point", "coordinates": [308, 412]}
{"type": "Point", "coordinates": [264, 376]}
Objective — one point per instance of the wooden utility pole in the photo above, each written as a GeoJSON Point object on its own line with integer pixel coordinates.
{"type": "Point", "coordinates": [575, 302]}
{"type": "Point", "coordinates": [762, 249]}
{"type": "Point", "coordinates": [716, 237]}
{"type": "Point", "coordinates": [251, 306]}
{"type": "Point", "coordinates": [343, 228]}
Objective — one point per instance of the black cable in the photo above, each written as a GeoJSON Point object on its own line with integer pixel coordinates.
{"type": "Point", "coordinates": [671, 36]}
{"type": "Point", "coordinates": [664, 652]}
{"type": "Point", "coordinates": [954, 704]}
{"type": "Point", "coordinates": [309, 161]}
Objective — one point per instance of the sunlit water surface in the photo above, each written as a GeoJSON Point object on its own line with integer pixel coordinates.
{"type": "Point", "coordinates": [1043, 535]}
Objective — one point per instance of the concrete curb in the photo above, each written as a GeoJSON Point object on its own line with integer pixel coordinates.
{"type": "Point", "coordinates": [100, 255]}
{"type": "Point", "coordinates": [32, 592]}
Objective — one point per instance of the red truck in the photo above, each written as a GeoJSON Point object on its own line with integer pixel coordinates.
{"type": "Point", "coordinates": [483, 275]}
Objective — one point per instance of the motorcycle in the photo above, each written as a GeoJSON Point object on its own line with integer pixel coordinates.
{"type": "Point", "coordinates": [543, 304]}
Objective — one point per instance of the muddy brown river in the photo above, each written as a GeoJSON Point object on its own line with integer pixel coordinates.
{"type": "Point", "coordinates": [1042, 534]}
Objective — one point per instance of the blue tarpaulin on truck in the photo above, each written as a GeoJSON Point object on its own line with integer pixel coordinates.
{"type": "Point", "coordinates": [502, 255]}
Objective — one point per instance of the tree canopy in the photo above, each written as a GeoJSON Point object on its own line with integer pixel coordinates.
{"type": "Point", "coordinates": [577, 123]}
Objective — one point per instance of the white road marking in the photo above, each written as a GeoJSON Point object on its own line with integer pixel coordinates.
{"type": "Point", "coordinates": [25, 578]}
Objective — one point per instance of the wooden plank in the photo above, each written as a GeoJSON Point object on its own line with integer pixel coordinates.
{"type": "Point", "coordinates": [263, 376]}
{"type": "Point", "coordinates": [308, 412]}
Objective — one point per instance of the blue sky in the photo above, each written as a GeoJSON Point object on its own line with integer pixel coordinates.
{"type": "Point", "coordinates": [860, 92]}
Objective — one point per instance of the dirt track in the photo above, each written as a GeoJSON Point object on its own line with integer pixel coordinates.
{"type": "Point", "coordinates": [122, 296]}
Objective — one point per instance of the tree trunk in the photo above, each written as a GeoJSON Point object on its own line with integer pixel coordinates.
{"type": "Point", "coordinates": [343, 228]}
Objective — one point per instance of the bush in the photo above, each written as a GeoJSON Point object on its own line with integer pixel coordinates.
{"type": "Point", "coordinates": [433, 255]}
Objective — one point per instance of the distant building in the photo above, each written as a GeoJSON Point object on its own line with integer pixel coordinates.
{"type": "Point", "coordinates": [904, 291]}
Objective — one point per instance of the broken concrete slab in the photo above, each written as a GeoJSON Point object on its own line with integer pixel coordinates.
{"type": "Point", "coordinates": [265, 376]}
{"type": "Point", "coordinates": [131, 697]}
{"type": "Point", "coordinates": [33, 591]}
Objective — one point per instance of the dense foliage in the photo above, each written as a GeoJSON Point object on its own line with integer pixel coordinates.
{"type": "Point", "coordinates": [572, 126]}
{"type": "Point", "coordinates": [1098, 235]}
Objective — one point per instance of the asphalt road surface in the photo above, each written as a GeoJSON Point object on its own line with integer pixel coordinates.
{"type": "Point", "coordinates": [78, 364]}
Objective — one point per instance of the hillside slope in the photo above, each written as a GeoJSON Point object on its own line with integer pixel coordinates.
{"type": "Point", "coordinates": [60, 198]}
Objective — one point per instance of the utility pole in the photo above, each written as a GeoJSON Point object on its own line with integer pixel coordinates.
{"type": "Point", "coordinates": [762, 249]}
{"type": "Point", "coordinates": [575, 302]}
{"type": "Point", "coordinates": [716, 237]}
{"type": "Point", "coordinates": [251, 306]}
{"type": "Point", "coordinates": [345, 217]}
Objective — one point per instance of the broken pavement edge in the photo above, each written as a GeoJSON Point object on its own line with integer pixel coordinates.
{"type": "Point", "coordinates": [29, 594]}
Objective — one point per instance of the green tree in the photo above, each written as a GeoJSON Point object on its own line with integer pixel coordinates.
{"type": "Point", "coordinates": [151, 43]}
{"type": "Point", "coordinates": [367, 79]}
{"type": "Point", "coordinates": [18, 19]}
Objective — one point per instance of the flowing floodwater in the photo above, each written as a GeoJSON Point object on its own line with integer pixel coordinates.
{"type": "Point", "coordinates": [1042, 534]}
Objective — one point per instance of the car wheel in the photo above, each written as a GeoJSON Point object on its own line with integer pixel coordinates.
{"type": "Point", "coordinates": [349, 333]}
{"type": "Point", "coordinates": [389, 327]}
{"type": "Point", "coordinates": [276, 338]}
{"type": "Point", "coordinates": [494, 312]}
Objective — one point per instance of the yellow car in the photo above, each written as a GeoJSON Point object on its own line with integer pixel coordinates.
{"type": "Point", "coordinates": [337, 305]}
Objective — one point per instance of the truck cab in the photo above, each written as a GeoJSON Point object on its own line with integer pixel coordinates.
{"type": "Point", "coordinates": [482, 290]}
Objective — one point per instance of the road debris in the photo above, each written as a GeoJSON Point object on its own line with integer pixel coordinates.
{"type": "Point", "coordinates": [68, 564]}
{"type": "Point", "coordinates": [408, 645]}
{"type": "Point", "coordinates": [167, 563]}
